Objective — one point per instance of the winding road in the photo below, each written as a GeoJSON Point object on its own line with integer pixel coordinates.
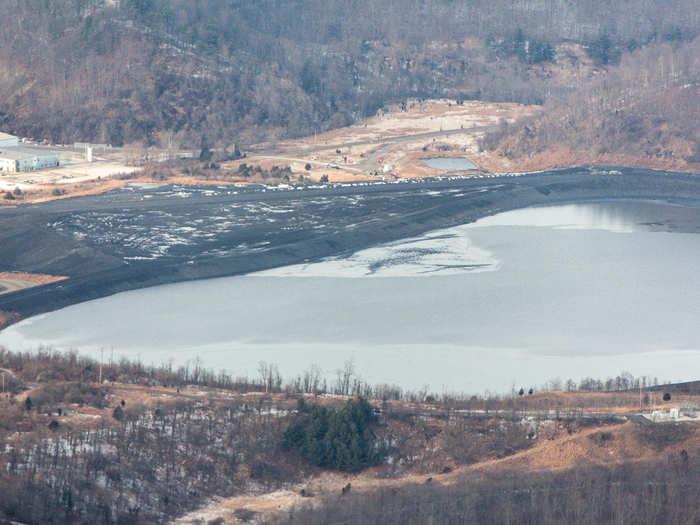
{"type": "Point", "coordinates": [368, 164]}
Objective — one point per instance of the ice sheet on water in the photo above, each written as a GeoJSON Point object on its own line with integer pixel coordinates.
{"type": "Point", "coordinates": [441, 252]}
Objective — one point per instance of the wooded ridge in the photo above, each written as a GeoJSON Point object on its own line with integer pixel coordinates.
{"type": "Point", "coordinates": [175, 72]}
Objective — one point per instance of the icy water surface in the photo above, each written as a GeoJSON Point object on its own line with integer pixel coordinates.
{"type": "Point", "coordinates": [517, 298]}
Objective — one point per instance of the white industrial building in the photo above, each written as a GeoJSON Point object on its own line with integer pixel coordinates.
{"type": "Point", "coordinates": [14, 158]}
{"type": "Point", "coordinates": [20, 159]}
{"type": "Point", "coordinates": [8, 141]}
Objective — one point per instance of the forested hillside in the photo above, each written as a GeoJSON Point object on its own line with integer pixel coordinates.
{"type": "Point", "coordinates": [170, 71]}
{"type": "Point", "coordinates": [645, 108]}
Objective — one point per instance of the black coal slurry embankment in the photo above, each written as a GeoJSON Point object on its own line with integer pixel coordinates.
{"type": "Point", "coordinates": [135, 238]}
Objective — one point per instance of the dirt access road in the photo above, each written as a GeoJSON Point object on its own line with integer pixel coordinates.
{"type": "Point", "coordinates": [393, 142]}
{"type": "Point", "coordinates": [369, 163]}
{"type": "Point", "coordinates": [398, 139]}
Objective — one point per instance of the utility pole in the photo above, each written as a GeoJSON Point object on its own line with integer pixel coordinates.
{"type": "Point", "coordinates": [102, 350]}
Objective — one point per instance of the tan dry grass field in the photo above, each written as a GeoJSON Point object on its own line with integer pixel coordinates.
{"type": "Point", "coordinates": [614, 444]}
{"type": "Point", "coordinates": [560, 444]}
{"type": "Point", "coordinates": [12, 281]}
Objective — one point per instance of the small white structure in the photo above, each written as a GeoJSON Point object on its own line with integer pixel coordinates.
{"type": "Point", "coordinates": [97, 148]}
{"type": "Point", "coordinates": [8, 141]}
{"type": "Point", "coordinates": [690, 411]}
{"type": "Point", "coordinates": [88, 153]}
{"type": "Point", "coordinates": [19, 159]}
{"type": "Point", "coordinates": [675, 414]}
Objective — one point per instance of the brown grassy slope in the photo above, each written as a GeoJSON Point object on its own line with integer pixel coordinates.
{"type": "Point", "coordinates": [613, 445]}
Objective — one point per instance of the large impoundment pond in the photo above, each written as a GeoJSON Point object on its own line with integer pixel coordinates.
{"type": "Point", "coordinates": [518, 298]}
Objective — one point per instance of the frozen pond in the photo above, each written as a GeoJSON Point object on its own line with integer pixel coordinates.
{"type": "Point", "coordinates": [449, 164]}
{"type": "Point", "coordinates": [514, 299]}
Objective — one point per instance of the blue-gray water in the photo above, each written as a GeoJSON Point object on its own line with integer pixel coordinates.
{"type": "Point", "coordinates": [450, 163]}
{"type": "Point", "coordinates": [515, 299]}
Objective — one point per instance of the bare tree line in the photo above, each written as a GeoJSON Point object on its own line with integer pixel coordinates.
{"type": "Point", "coordinates": [45, 364]}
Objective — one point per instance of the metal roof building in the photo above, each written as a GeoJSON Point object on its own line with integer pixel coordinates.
{"type": "Point", "coordinates": [16, 159]}
{"type": "Point", "coordinates": [8, 141]}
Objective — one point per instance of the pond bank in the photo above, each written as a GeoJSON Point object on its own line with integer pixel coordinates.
{"type": "Point", "coordinates": [84, 238]}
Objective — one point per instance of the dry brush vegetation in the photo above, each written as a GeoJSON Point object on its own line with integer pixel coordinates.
{"type": "Point", "coordinates": [643, 112]}
{"type": "Point", "coordinates": [165, 73]}
{"type": "Point", "coordinates": [149, 444]}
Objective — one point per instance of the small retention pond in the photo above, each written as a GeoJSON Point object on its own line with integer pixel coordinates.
{"type": "Point", "coordinates": [450, 163]}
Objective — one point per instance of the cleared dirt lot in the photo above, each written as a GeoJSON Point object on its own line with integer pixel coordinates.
{"type": "Point", "coordinates": [12, 285]}
{"type": "Point", "coordinates": [391, 144]}
{"type": "Point", "coordinates": [63, 176]}
{"type": "Point", "coordinates": [13, 281]}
